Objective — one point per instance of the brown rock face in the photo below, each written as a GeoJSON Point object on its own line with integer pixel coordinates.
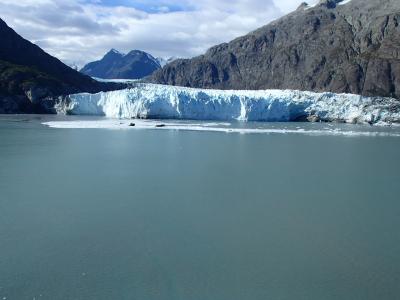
{"type": "Point", "coordinates": [352, 48]}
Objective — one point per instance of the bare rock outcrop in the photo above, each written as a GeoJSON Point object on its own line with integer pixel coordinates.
{"type": "Point", "coordinates": [336, 46]}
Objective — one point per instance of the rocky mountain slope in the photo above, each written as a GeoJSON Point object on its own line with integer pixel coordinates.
{"type": "Point", "coordinates": [28, 75]}
{"type": "Point", "coordinates": [338, 46]}
{"type": "Point", "coordinates": [115, 65]}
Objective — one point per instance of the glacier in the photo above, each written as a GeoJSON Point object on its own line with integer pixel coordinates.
{"type": "Point", "coordinates": [153, 101]}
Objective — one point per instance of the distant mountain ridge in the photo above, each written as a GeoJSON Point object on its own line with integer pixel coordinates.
{"type": "Point", "coordinates": [29, 75]}
{"type": "Point", "coordinates": [116, 65]}
{"type": "Point", "coordinates": [337, 46]}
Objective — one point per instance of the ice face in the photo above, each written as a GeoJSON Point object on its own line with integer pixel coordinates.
{"type": "Point", "coordinates": [153, 101]}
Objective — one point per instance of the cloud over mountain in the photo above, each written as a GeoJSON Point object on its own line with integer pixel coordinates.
{"type": "Point", "coordinates": [78, 31]}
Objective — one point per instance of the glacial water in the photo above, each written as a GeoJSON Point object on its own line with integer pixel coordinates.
{"type": "Point", "coordinates": [93, 208]}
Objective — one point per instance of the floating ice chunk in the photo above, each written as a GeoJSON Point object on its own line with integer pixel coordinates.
{"type": "Point", "coordinates": [318, 130]}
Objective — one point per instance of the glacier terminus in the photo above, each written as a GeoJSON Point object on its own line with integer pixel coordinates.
{"type": "Point", "coordinates": [153, 101]}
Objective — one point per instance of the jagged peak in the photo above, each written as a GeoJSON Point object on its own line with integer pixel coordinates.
{"type": "Point", "coordinates": [143, 53]}
{"type": "Point", "coordinates": [135, 51]}
{"type": "Point", "coordinates": [114, 51]}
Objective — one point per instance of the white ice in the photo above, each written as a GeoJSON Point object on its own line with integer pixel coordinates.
{"type": "Point", "coordinates": [344, 2]}
{"type": "Point", "coordinates": [152, 101]}
{"type": "Point", "coordinates": [219, 127]}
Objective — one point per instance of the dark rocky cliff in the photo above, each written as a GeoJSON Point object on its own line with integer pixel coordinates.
{"type": "Point", "coordinates": [351, 47]}
{"type": "Point", "coordinates": [29, 76]}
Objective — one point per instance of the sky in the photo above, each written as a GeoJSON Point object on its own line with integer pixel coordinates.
{"type": "Point", "coordinates": [80, 31]}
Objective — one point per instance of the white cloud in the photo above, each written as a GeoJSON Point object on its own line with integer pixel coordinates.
{"type": "Point", "coordinates": [78, 32]}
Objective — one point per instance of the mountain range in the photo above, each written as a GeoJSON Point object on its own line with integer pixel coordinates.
{"type": "Point", "coordinates": [116, 65]}
{"type": "Point", "coordinates": [350, 46]}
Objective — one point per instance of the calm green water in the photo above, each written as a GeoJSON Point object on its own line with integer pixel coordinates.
{"type": "Point", "coordinates": [159, 214]}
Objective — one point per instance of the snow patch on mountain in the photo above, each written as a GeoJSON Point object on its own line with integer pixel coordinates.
{"type": "Point", "coordinates": [344, 2]}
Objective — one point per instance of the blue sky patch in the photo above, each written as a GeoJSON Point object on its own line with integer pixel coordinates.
{"type": "Point", "coordinates": [149, 6]}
